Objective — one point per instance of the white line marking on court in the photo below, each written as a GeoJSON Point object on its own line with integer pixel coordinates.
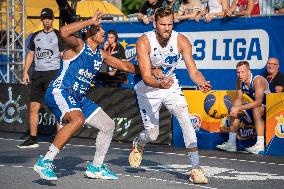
{"type": "Point", "coordinates": [135, 176]}
{"type": "Point", "coordinates": [169, 181]}
{"type": "Point", "coordinates": [123, 149]}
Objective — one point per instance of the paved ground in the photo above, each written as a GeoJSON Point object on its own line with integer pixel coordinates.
{"type": "Point", "coordinates": [162, 167]}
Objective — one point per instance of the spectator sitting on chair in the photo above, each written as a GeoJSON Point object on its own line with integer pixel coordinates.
{"type": "Point", "coordinates": [278, 6]}
{"type": "Point", "coordinates": [273, 76]}
{"type": "Point", "coordinates": [146, 13]}
{"type": "Point", "coordinates": [246, 8]}
{"type": "Point", "coordinates": [256, 88]}
{"type": "Point", "coordinates": [111, 77]}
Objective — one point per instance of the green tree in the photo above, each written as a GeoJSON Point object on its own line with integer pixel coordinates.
{"type": "Point", "coordinates": [131, 6]}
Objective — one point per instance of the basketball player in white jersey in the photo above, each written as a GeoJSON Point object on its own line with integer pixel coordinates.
{"type": "Point", "coordinates": [163, 49]}
{"type": "Point", "coordinates": [256, 88]}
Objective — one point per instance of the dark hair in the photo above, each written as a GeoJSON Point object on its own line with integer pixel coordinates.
{"type": "Point", "coordinates": [89, 31]}
{"type": "Point", "coordinates": [114, 33]}
{"type": "Point", "coordinates": [243, 63]}
{"type": "Point", "coordinates": [46, 13]}
{"type": "Point", "coordinates": [163, 12]}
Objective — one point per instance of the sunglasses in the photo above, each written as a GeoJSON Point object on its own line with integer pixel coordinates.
{"type": "Point", "coordinates": [272, 64]}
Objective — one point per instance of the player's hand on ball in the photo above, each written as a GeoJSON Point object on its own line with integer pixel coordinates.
{"type": "Point", "coordinates": [205, 86]}
{"type": "Point", "coordinates": [234, 112]}
{"type": "Point", "coordinates": [166, 82]}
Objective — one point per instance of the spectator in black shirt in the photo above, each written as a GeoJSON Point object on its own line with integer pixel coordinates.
{"type": "Point", "coordinates": [273, 76]}
{"type": "Point", "coordinates": [111, 77]}
{"type": "Point", "coordinates": [146, 13]}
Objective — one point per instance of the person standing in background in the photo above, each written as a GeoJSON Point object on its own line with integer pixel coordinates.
{"type": "Point", "coordinates": [45, 49]}
{"type": "Point", "coordinates": [111, 77]}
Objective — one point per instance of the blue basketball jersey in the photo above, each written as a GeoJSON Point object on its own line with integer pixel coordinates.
{"type": "Point", "coordinates": [78, 72]}
{"type": "Point", "coordinates": [68, 91]}
{"type": "Point", "coordinates": [250, 90]}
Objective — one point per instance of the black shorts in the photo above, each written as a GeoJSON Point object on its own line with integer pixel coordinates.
{"type": "Point", "coordinates": [39, 83]}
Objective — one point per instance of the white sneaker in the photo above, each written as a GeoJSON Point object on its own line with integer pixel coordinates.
{"type": "Point", "coordinates": [256, 149]}
{"type": "Point", "coordinates": [197, 176]}
{"type": "Point", "coordinates": [227, 146]}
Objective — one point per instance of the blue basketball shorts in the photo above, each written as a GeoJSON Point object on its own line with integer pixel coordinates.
{"type": "Point", "coordinates": [61, 102]}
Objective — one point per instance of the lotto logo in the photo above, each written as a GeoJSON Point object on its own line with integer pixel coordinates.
{"type": "Point", "coordinates": [279, 129]}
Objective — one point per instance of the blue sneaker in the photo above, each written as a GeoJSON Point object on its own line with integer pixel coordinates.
{"type": "Point", "coordinates": [45, 169]}
{"type": "Point", "coordinates": [99, 172]}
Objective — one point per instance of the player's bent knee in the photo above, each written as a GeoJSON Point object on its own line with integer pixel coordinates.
{"type": "Point", "coordinates": [258, 112]}
{"type": "Point", "coordinates": [78, 122]}
{"type": "Point", "coordinates": [102, 122]}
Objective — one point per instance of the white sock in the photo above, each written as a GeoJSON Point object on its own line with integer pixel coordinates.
{"type": "Point", "coordinates": [53, 151]}
{"type": "Point", "coordinates": [232, 138]}
{"type": "Point", "coordinates": [98, 160]}
{"type": "Point", "coordinates": [194, 159]}
{"type": "Point", "coordinates": [260, 140]}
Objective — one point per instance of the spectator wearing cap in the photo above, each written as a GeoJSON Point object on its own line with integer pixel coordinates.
{"type": "Point", "coordinates": [273, 75]}
{"type": "Point", "coordinates": [45, 48]}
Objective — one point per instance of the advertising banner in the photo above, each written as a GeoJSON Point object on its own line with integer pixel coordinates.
{"type": "Point", "coordinates": [217, 46]}
{"type": "Point", "coordinates": [14, 100]}
{"type": "Point", "coordinates": [213, 130]}
{"type": "Point", "coordinates": [119, 104]}
{"type": "Point", "coordinates": [275, 124]}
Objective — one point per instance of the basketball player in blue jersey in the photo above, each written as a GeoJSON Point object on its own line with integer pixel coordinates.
{"type": "Point", "coordinates": [66, 96]}
{"type": "Point", "coordinates": [163, 49]}
{"type": "Point", "coordinates": [256, 88]}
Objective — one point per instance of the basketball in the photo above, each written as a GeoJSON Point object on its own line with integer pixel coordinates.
{"type": "Point", "coordinates": [217, 104]}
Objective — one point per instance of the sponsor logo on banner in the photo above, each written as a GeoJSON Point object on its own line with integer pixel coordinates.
{"type": "Point", "coordinates": [122, 125]}
{"type": "Point", "coordinates": [129, 44]}
{"type": "Point", "coordinates": [279, 129]}
{"type": "Point", "coordinates": [224, 49]}
{"type": "Point", "coordinates": [10, 111]}
{"type": "Point", "coordinates": [218, 49]}
{"type": "Point", "coordinates": [47, 119]}
{"type": "Point", "coordinates": [246, 132]}
{"type": "Point", "coordinates": [195, 121]}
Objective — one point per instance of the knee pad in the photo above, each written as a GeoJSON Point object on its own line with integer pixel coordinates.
{"type": "Point", "coordinates": [102, 122]}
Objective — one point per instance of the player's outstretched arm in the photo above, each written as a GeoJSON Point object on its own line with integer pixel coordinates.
{"type": "Point", "coordinates": [67, 32]}
{"type": "Point", "coordinates": [196, 76]}
{"type": "Point", "coordinates": [119, 64]}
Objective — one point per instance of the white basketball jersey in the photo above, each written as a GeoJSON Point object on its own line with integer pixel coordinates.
{"type": "Point", "coordinates": [165, 58]}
